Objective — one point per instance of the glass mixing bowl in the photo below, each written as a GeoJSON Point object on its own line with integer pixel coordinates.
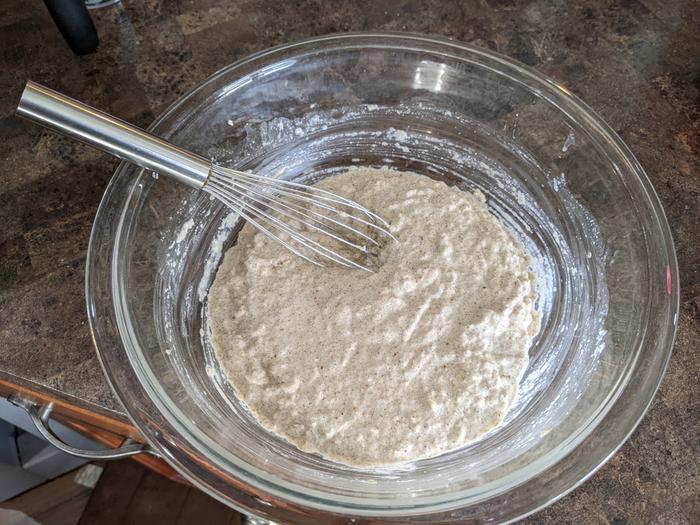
{"type": "Point", "coordinates": [557, 175]}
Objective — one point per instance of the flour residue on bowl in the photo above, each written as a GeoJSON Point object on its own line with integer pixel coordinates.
{"type": "Point", "coordinates": [416, 359]}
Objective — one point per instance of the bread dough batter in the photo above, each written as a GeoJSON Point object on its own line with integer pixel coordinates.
{"type": "Point", "coordinates": [370, 369]}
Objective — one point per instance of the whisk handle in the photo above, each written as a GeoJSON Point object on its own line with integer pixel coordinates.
{"type": "Point", "coordinates": [96, 128]}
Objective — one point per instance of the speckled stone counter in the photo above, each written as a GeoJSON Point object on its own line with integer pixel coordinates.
{"type": "Point", "coordinates": [637, 63]}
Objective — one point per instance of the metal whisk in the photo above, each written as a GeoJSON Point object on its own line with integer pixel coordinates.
{"type": "Point", "coordinates": [313, 223]}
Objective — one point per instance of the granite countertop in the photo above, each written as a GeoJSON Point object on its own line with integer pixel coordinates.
{"type": "Point", "coordinates": [636, 62]}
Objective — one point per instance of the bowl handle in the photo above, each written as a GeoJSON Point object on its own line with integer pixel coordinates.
{"type": "Point", "coordinates": [40, 416]}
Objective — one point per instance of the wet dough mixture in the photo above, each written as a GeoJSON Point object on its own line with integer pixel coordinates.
{"type": "Point", "coordinates": [414, 360]}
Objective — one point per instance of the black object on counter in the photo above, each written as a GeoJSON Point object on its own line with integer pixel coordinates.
{"type": "Point", "coordinates": [75, 24]}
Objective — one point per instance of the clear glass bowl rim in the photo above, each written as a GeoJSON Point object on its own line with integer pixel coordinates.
{"type": "Point", "coordinates": [165, 446]}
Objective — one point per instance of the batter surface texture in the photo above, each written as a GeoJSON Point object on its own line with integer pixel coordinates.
{"type": "Point", "coordinates": [370, 369]}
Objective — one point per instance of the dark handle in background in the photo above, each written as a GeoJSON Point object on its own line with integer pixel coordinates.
{"type": "Point", "coordinates": [73, 20]}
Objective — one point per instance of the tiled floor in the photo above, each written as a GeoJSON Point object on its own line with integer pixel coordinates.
{"type": "Point", "coordinates": [58, 502]}
{"type": "Point", "coordinates": [126, 493]}
{"type": "Point", "coordinates": [131, 494]}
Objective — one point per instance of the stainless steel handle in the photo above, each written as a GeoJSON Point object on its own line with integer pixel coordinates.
{"type": "Point", "coordinates": [40, 415]}
{"type": "Point", "coordinates": [96, 128]}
